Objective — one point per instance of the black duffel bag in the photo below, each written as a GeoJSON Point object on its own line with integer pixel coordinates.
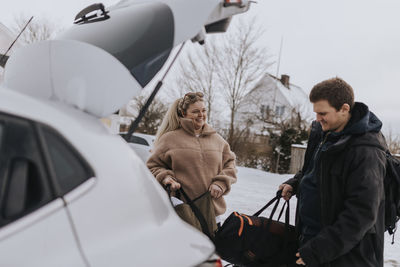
{"type": "Point", "coordinates": [258, 241]}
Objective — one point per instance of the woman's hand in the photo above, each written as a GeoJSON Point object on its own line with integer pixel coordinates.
{"type": "Point", "coordinates": [172, 182]}
{"type": "Point", "coordinates": [287, 191]}
{"type": "Point", "coordinates": [215, 191]}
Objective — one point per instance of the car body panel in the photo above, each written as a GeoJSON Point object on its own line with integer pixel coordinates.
{"type": "Point", "coordinates": [123, 214]}
{"type": "Point", "coordinates": [120, 216]}
{"type": "Point", "coordinates": [42, 238]}
{"type": "Point", "coordinates": [190, 16]}
{"type": "Point", "coordinates": [164, 24]}
{"type": "Point", "coordinates": [142, 151]}
{"type": "Point", "coordinates": [71, 72]}
{"type": "Point", "coordinates": [142, 146]}
{"type": "Point", "coordinates": [117, 36]}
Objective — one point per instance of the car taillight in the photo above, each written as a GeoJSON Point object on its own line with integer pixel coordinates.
{"type": "Point", "coordinates": [218, 263]}
{"type": "Point", "coordinates": [213, 261]}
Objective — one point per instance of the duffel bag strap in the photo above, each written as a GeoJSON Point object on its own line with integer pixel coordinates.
{"type": "Point", "coordinates": [197, 213]}
{"type": "Point", "coordinates": [283, 208]}
{"type": "Point", "coordinates": [287, 214]}
{"type": "Point", "coordinates": [276, 198]}
{"type": "Point", "coordinates": [286, 236]}
{"type": "Point", "coordinates": [194, 208]}
{"type": "Point", "coordinates": [287, 218]}
{"type": "Point", "coordinates": [273, 210]}
{"type": "Point", "coordinates": [169, 191]}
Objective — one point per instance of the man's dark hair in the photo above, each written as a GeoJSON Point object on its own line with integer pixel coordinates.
{"type": "Point", "coordinates": [336, 91]}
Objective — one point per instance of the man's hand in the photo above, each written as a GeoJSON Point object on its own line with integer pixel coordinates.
{"type": "Point", "coordinates": [299, 260]}
{"type": "Point", "coordinates": [171, 181]}
{"type": "Point", "coordinates": [287, 191]}
{"type": "Point", "coordinates": [215, 191]}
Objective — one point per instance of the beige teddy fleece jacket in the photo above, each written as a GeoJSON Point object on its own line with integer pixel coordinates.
{"type": "Point", "coordinates": [195, 162]}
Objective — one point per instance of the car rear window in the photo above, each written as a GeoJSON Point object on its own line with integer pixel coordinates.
{"type": "Point", "coordinates": [138, 140]}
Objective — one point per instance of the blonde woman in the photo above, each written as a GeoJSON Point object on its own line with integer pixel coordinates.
{"type": "Point", "coordinates": [189, 153]}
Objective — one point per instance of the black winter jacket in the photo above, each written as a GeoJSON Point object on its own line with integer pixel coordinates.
{"type": "Point", "coordinates": [350, 183]}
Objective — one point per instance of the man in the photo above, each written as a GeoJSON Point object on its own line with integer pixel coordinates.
{"type": "Point", "coordinates": [340, 211]}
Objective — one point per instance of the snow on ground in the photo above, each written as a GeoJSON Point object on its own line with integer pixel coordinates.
{"type": "Point", "coordinates": [255, 188]}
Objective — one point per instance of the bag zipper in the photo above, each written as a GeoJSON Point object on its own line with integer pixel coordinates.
{"type": "Point", "coordinates": [250, 221]}
{"type": "Point", "coordinates": [241, 223]}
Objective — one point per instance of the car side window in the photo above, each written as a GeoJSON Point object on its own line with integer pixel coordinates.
{"type": "Point", "coordinates": [138, 140]}
{"type": "Point", "coordinates": [24, 184]}
{"type": "Point", "coordinates": [70, 168]}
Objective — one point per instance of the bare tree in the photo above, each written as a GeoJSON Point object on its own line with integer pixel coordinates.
{"type": "Point", "coordinates": [393, 142]}
{"type": "Point", "coordinates": [241, 63]}
{"type": "Point", "coordinates": [152, 118]}
{"type": "Point", "coordinates": [38, 30]}
{"type": "Point", "coordinates": [282, 134]}
{"type": "Point", "coordinates": [197, 74]}
{"type": "Point", "coordinates": [230, 65]}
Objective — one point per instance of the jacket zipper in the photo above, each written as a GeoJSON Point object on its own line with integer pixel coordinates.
{"type": "Point", "coordinates": [241, 223]}
{"type": "Point", "coordinates": [321, 185]}
{"type": "Point", "coordinates": [320, 177]}
{"type": "Point", "coordinates": [200, 147]}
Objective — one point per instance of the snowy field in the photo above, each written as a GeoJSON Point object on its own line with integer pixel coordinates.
{"type": "Point", "coordinates": [255, 188]}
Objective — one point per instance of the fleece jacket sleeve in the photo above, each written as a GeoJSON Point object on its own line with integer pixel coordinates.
{"type": "Point", "coordinates": [363, 195]}
{"type": "Point", "coordinates": [158, 164]}
{"type": "Point", "coordinates": [227, 176]}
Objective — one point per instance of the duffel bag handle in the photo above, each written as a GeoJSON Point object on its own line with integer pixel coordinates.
{"type": "Point", "coordinates": [276, 198]}
{"type": "Point", "coordinates": [287, 214]}
{"type": "Point", "coordinates": [169, 192]}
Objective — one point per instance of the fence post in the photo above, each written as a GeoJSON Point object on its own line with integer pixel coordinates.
{"type": "Point", "coordinates": [297, 157]}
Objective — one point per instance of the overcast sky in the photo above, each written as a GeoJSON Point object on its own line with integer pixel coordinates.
{"type": "Point", "coordinates": [357, 40]}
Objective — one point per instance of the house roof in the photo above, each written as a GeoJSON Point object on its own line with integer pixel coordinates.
{"type": "Point", "coordinates": [294, 95]}
{"type": "Point", "coordinates": [270, 87]}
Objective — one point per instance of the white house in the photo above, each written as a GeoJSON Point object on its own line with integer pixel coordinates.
{"type": "Point", "coordinates": [273, 97]}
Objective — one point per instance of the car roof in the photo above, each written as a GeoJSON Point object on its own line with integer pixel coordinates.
{"type": "Point", "coordinates": [146, 136]}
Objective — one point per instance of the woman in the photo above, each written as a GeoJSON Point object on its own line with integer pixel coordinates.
{"type": "Point", "coordinates": [189, 153]}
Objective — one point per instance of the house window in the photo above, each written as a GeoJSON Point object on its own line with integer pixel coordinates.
{"type": "Point", "coordinates": [265, 112]}
{"type": "Point", "coordinates": [279, 111]}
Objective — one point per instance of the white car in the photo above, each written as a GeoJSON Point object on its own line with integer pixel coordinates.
{"type": "Point", "coordinates": [61, 201]}
{"type": "Point", "coordinates": [142, 144]}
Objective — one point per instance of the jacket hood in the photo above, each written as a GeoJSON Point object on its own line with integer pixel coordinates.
{"type": "Point", "coordinates": [362, 121]}
{"type": "Point", "coordinates": [188, 126]}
